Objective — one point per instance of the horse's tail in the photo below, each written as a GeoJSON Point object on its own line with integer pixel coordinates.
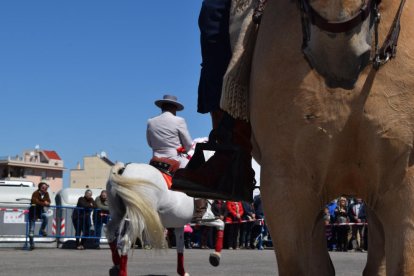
{"type": "Point", "coordinates": [143, 216]}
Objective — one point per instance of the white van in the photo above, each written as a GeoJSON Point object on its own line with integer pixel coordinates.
{"type": "Point", "coordinates": [17, 183]}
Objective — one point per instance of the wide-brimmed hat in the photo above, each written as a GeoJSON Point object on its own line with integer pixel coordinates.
{"type": "Point", "coordinates": [171, 100]}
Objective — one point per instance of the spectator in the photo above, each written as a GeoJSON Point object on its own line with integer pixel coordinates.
{"type": "Point", "coordinates": [81, 218]}
{"type": "Point", "coordinates": [328, 228]}
{"type": "Point", "coordinates": [219, 209]}
{"type": "Point", "coordinates": [332, 206]}
{"type": "Point", "coordinates": [233, 219]}
{"type": "Point", "coordinates": [248, 222]}
{"type": "Point", "coordinates": [101, 215]}
{"type": "Point", "coordinates": [188, 230]}
{"type": "Point", "coordinates": [341, 215]}
{"type": "Point", "coordinates": [357, 214]}
{"type": "Point", "coordinates": [40, 200]}
{"type": "Point", "coordinates": [259, 228]}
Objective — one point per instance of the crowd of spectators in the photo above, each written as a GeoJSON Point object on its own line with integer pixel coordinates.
{"type": "Point", "coordinates": [245, 227]}
{"type": "Point", "coordinates": [346, 224]}
{"type": "Point", "coordinates": [345, 220]}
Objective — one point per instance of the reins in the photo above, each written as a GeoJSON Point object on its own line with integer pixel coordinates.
{"type": "Point", "coordinates": [389, 47]}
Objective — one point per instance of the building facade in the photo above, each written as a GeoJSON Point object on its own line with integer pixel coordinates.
{"type": "Point", "coordinates": [34, 165]}
{"type": "Point", "coordinates": [94, 174]}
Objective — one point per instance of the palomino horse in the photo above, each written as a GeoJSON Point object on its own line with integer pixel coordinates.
{"type": "Point", "coordinates": [140, 202]}
{"type": "Point", "coordinates": [327, 121]}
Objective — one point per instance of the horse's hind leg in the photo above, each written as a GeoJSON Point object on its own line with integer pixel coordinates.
{"type": "Point", "coordinates": [179, 239]}
{"type": "Point", "coordinates": [124, 243]}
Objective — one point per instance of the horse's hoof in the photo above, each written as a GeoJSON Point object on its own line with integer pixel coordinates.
{"type": "Point", "coordinates": [114, 271]}
{"type": "Point", "coordinates": [214, 259]}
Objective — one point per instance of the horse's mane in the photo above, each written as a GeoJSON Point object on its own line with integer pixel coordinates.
{"type": "Point", "coordinates": [142, 215]}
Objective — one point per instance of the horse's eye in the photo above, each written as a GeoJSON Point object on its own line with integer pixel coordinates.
{"type": "Point", "coordinates": [121, 171]}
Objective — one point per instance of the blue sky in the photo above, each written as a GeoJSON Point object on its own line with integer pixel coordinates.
{"type": "Point", "coordinates": [81, 76]}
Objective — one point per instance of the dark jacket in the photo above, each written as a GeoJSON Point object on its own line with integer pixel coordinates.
{"type": "Point", "coordinates": [361, 215]}
{"type": "Point", "coordinates": [248, 211]}
{"type": "Point", "coordinates": [38, 202]}
{"type": "Point", "coordinates": [258, 207]}
{"type": "Point", "coordinates": [84, 208]}
{"type": "Point", "coordinates": [219, 208]}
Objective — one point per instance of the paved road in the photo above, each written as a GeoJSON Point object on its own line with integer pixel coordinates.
{"type": "Point", "coordinates": [65, 262]}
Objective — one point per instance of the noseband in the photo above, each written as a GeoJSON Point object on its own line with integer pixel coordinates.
{"type": "Point", "coordinates": [387, 51]}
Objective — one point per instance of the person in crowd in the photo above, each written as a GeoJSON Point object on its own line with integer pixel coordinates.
{"type": "Point", "coordinates": [331, 207]}
{"type": "Point", "coordinates": [219, 209]}
{"type": "Point", "coordinates": [100, 215]}
{"type": "Point", "coordinates": [167, 133]}
{"type": "Point", "coordinates": [342, 229]}
{"type": "Point", "coordinates": [259, 228]}
{"type": "Point", "coordinates": [188, 230]}
{"type": "Point", "coordinates": [246, 227]}
{"type": "Point", "coordinates": [233, 220]}
{"type": "Point", "coordinates": [328, 228]}
{"type": "Point", "coordinates": [81, 218]}
{"type": "Point", "coordinates": [40, 199]}
{"type": "Point", "coordinates": [357, 214]}
{"type": "Point", "coordinates": [211, 178]}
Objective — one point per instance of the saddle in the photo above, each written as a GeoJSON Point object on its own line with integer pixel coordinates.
{"type": "Point", "coordinates": [166, 166]}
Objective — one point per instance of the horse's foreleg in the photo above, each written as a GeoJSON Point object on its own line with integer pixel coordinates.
{"type": "Point", "coordinates": [293, 215]}
{"type": "Point", "coordinates": [397, 218]}
{"type": "Point", "coordinates": [376, 253]}
{"type": "Point", "coordinates": [179, 239]}
{"type": "Point", "coordinates": [219, 225]}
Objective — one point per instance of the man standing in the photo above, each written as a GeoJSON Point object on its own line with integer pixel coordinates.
{"type": "Point", "coordinates": [167, 133]}
{"type": "Point", "coordinates": [358, 215]}
{"type": "Point", "coordinates": [40, 199]}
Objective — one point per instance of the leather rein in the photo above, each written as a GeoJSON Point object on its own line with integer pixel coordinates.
{"type": "Point", "coordinates": [382, 55]}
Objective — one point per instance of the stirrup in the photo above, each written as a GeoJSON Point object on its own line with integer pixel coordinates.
{"type": "Point", "coordinates": [230, 185]}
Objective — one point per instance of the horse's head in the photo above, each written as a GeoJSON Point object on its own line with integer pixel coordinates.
{"type": "Point", "coordinates": [337, 38]}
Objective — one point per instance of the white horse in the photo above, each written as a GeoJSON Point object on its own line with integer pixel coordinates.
{"type": "Point", "coordinates": [141, 203]}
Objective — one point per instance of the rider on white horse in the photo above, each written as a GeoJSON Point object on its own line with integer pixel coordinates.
{"type": "Point", "coordinates": [166, 133]}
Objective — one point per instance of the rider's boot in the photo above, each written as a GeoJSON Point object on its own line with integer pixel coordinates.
{"type": "Point", "coordinates": [228, 174]}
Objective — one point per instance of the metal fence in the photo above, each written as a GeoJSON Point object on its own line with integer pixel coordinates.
{"type": "Point", "coordinates": [62, 224]}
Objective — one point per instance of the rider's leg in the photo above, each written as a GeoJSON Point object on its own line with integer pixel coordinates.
{"type": "Point", "coordinates": [214, 178]}
{"type": "Point", "coordinates": [204, 181]}
{"type": "Point", "coordinates": [42, 231]}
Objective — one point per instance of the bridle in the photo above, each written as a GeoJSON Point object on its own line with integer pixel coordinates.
{"type": "Point", "coordinates": [381, 55]}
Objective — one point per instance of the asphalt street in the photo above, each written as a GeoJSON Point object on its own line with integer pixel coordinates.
{"type": "Point", "coordinates": [52, 261]}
